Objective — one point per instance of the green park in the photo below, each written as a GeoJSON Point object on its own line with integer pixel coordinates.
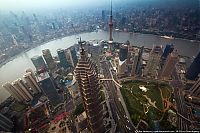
{"type": "Point", "coordinates": [149, 101]}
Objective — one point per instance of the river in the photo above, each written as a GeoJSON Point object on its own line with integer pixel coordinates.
{"type": "Point", "coordinates": [16, 68]}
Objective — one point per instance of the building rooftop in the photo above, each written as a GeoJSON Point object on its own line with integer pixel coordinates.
{"type": "Point", "coordinates": [110, 42]}
{"type": "Point", "coordinates": [46, 51]}
{"type": "Point", "coordinates": [121, 62]}
{"type": "Point", "coordinates": [157, 49]}
{"type": "Point", "coordinates": [182, 60]}
{"type": "Point", "coordinates": [36, 57]}
{"type": "Point", "coordinates": [95, 44]}
{"type": "Point", "coordinates": [60, 50]}
{"type": "Point", "coordinates": [82, 117]}
{"type": "Point", "coordinates": [42, 76]}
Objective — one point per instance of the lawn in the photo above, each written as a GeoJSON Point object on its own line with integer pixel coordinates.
{"type": "Point", "coordinates": [166, 91]}
{"type": "Point", "coordinates": [144, 105]}
{"type": "Point", "coordinates": [102, 96]}
{"type": "Point", "coordinates": [133, 106]}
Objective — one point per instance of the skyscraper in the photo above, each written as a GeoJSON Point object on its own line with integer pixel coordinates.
{"type": "Point", "coordinates": [38, 62]}
{"type": "Point", "coordinates": [122, 68]}
{"type": "Point", "coordinates": [49, 59]}
{"type": "Point", "coordinates": [5, 123]}
{"type": "Point", "coordinates": [13, 92]}
{"type": "Point", "coordinates": [47, 85]}
{"type": "Point", "coordinates": [19, 90]}
{"type": "Point", "coordinates": [195, 89]}
{"type": "Point", "coordinates": [169, 66]}
{"type": "Point", "coordinates": [138, 69]}
{"type": "Point", "coordinates": [14, 41]}
{"type": "Point", "coordinates": [32, 83]}
{"type": "Point", "coordinates": [194, 69]}
{"type": "Point", "coordinates": [74, 55]}
{"type": "Point", "coordinates": [168, 49]}
{"type": "Point", "coordinates": [123, 52]}
{"type": "Point", "coordinates": [69, 57]}
{"type": "Point", "coordinates": [62, 58]}
{"type": "Point", "coordinates": [103, 15]}
{"type": "Point", "coordinates": [123, 21]}
{"type": "Point", "coordinates": [31, 71]}
{"type": "Point", "coordinates": [87, 77]}
{"type": "Point", "coordinates": [135, 62]}
{"type": "Point", "coordinates": [22, 89]}
{"type": "Point", "coordinates": [152, 64]}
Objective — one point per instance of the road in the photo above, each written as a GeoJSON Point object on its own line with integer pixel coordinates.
{"type": "Point", "coordinates": [117, 110]}
{"type": "Point", "coordinates": [180, 105]}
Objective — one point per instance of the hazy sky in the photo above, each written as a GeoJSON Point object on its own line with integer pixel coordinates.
{"type": "Point", "coordinates": [48, 4]}
{"type": "Point", "coordinates": [35, 4]}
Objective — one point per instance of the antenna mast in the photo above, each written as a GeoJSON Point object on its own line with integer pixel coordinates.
{"type": "Point", "coordinates": [110, 23]}
{"type": "Point", "coordinates": [79, 42]}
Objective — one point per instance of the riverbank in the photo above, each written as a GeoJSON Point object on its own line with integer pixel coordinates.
{"type": "Point", "coordinates": [136, 32]}
{"type": "Point", "coordinates": [41, 43]}
{"type": "Point", "coordinates": [174, 35]}
{"type": "Point", "coordinates": [34, 46]}
{"type": "Point", "coordinates": [159, 35]}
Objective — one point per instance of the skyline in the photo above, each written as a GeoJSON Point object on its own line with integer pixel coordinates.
{"type": "Point", "coordinates": [87, 66]}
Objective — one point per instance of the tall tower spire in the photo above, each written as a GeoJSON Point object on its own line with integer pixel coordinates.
{"type": "Point", "coordinates": [110, 23]}
{"type": "Point", "coordinates": [82, 51]}
{"type": "Point", "coordinates": [88, 83]}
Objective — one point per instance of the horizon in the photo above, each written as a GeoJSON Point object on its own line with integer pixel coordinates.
{"type": "Point", "coordinates": [35, 5]}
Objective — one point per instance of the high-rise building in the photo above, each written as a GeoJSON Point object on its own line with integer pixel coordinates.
{"type": "Point", "coordinates": [169, 66]}
{"type": "Point", "coordinates": [122, 68]}
{"type": "Point", "coordinates": [69, 57]}
{"type": "Point", "coordinates": [103, 15]}
{"type": "Point", "coordinates": [74, 56]}
{"type": "Point", "coordinates": [53, 26]}
{"type": "Point", "coordinates": [194, 69]}
{"type": "Point", "coordinates": [32, 83]}
{"type": "Point", "coordinates": [22, 89]}
{"type": "Point", "coordinates": [138, 69]}
{"type": "Point", "coordinates": [49, 59]}
{"type": "Point", "coordinates": [168, 49]}
{"type": "Point", "coordinates": [87, 78]}
{"type": "Point", "coordinates": [38, 62]}
{"type": "Point", "coordinates": [135, 62]}
{"type": "Point", "coordinates": [195, 89]}
{"type": "Point", "coordinates": [47, 85]}
{"type": "Point", "coordinates": [5, 123]}
{"type": "Point", "coordinates": [123, 52]}
{"type": "Point", "coordinates": [62, 58]}
{"type": "Point", "coordinates": [130, 54]}
{"type": "Point", "coordinates": [14, 41]}
{"type": "Point", "coordinates": [31, 71]}
{"type": "Point", "coordinates": [13, 92]}
{"type": "Point", "coordinates": [153, 62]}
{"type": "Point", "coordinates": [123, 21]}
